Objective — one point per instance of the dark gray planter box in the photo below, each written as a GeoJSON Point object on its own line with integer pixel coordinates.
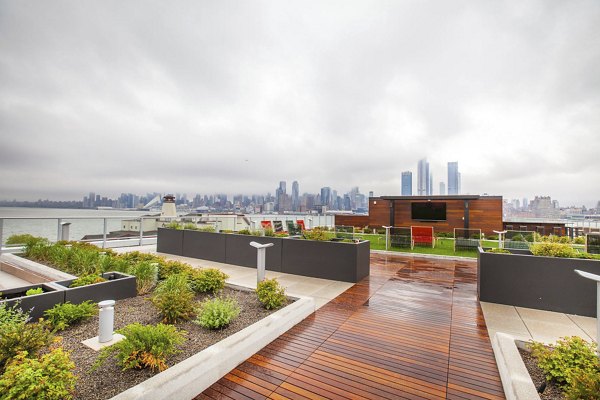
{"type": "Point", "coordinates": [348, 262]}
{"type": "Point", "coordinates": [543, 283]}
{"type": "Point", "coordinates": [239, 252]}
{"type": "Point", "coordinates": [119, 286]}
{"type": "Point", "coordinates": [169, 241]}
{"type": "Point", "coordinates": [205, 245]}
{"type": "Point", "coordinates": [37, 303]}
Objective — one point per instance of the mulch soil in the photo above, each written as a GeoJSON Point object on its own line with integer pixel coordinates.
{"type": "Point", "coordinates": [552, 391]}
{"type": "Point", "coordinates": [109, 380]}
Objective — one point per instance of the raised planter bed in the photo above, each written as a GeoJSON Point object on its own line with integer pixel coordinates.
{"type": "Point", "coordinates": [118, 286]}
{"type": "Point", "coordinates": [348, 262]}
{"type": "Point", "coordinates": [543, 283]}
{"type": "Point", "coordinates": [37, 303]}
{"type": "Point", "coordinates": [171, 241]}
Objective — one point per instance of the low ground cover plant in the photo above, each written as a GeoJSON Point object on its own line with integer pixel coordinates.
{"type": "Point", "coordinates": [174, 298]}
{"type": "Point", "coordinates": [271, 294]}
{"type": "Point", "coordinates": [498, 251]}
{"type": "Point", "coordinates": [573, 364]}
{"type": "Point", "coordinates": [63, 315]}
{"type": "Point", "coordinates": [19, 239]}
{"type": "Point", "coordinates": [87, 280]}
{"type": "Point", "coordinates": [33, 291]}
{"type": "Point", "coordinates": [207, 280]}
{"type": "Point", "coordinates": [317, 234]}
{"type": "Point", "coordinates": [144, 346]}
{"type": "Point", "coordinates": [217, 313]}
{"type": "Point", "coordinates": [550, 249]}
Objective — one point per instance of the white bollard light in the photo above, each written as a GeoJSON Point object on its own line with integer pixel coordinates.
{"type": "Point", "coordinates": [261, 259]}
{"type": "Point", "coordinates": [107, 321]}
{"type": "Point", "coordinates": [595, 278]}
{"type": "Point", "coordinates": [387, 236]}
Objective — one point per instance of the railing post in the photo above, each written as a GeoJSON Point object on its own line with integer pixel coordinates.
{"type": "Point", "coordinates": [104, 234]}
{"type": "Point", "coordinates": [141, 229]}
{"type": "Point", "coordinates": [59, 230]}
{"type": "Point", "coordinates": [1, 230]}
{"type": "Point", "coordinates": [387, 236]}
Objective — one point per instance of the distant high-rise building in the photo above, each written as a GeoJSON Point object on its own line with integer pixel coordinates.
{"type": "Point", "coordinates": [442, 188]}
{"type": "Point", "coordinates": [325, 195]}
{"type": "Point", "coordinates": [406, 183]}
{"type": "Point", "coordinates": [525, 203]}
{"type": "Point", "coordinates": [371, 195]}
{"type": "Point", "coordinates": [430, 191]}
{"type": "Point", "coordinates": [453, 178]}
{"type": "Point", "coordinates": [282, 185]}
{"type": "Point", "coordinates": [423, 178]}
{"type": "Point", "coordinates": [295, 196]}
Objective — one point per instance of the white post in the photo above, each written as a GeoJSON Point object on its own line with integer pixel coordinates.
{"type": "Point", "coordinates": [261, 259]}
{"type": "Point", "coordinates": [500, 241]}
{"type": "Point", "coordinates": [596, 278]}
{"type": "Point", "coordinates": [59, 230]}
{"type": "Point", "coordinates": [104, 234]}
{"type": "Point", "coordinates": [141, 230]}
{"type": "Point", "coordinates": [387, 236]}
{"type": "Point", "coordinates": [107, 319]}
{"type": "Point", "coordinates": [64, 231]}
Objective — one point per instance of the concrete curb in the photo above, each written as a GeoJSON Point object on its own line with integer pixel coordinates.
{"type": "Point", "coordinates": [192, 376]}
{"type": "Point", "coordinates": [516, 381]}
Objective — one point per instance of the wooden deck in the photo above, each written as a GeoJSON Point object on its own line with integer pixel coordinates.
{"type": "Point", "coordinates": [411, 330]}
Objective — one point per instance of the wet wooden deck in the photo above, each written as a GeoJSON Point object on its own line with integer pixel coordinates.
{"type": "Point", "coordinates": [411, 330]}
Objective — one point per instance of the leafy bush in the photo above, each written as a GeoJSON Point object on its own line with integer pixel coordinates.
{"type": "Point", "coordinates": [31, 292]}
{"type": "Point", "coordinates": [16, 335]}
{"type": "Point", "coordinates": [20, 239]}
{"type": "Point", "coordinates": [579, 240]}
{"type": "Point", "coordinates": [561, 362]}
{"type": "Point", "coordinates": [271, 294]}
{"type": "Point", "coordinates": [499, 251]}
{"type": "Point", "coordinates": [61, 316]}
{"type": "Point", "coordinates": [87, 280]}
{"type": "Point", "coordinates": [169, 268]}
{"type": "Point", "coordinates": [316, 234]}
{"type": "Point", "coordinates": [584, 385]}
{"type": "Point", "coordinates": [174, 225]}
{"type": "Point", "coordinates": [444, 235]}
{"type": "Point", "coordinates": [146, 276]}
{"type": "Point", "coordinates": [144, 346]}
{"type": "Point", "coordinates": [269, 232]}
{"type": "Point", "coordinates": [381, 231]}
{"type": "Point", "coordinates": [553, 250]}
{"type": "Point", "coordinates": [217, 313]}
{"type": "Point", "coordinates": [244, 232]}
{"type": "Point", "coordinates": [207, 280]}
{"type": "Point", "coordinates": [49, 377]}
{"type": "Point", "coordinates": [209, 228]}
{"type": "Point", "coordinates": [518, 238]}
{"type": "Point", "coordinates": [492, 237]}
{"type": "Point", "coordinates": [190, 226]}
{"type": "Point", "coordinates": [174, 299]}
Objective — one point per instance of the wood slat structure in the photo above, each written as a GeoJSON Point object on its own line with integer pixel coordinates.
{"type": "Point", "coordinates": [413, 329]}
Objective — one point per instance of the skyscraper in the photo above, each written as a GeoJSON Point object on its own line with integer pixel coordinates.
{"type": "Point", "coordinates": [430, 188]}
{"type": "Point", "coordinates": [407, 183]}
{"type": "Point", "coordinates": [423, 178]}
{"type": "Point", "coordinates": [295, 196]}
{"type": "Point", "coordinates": [442, 188]}
{"type": "Point", "coordinates": [325, 195]}
{"type": "Point", "coordinates": [453, 178]}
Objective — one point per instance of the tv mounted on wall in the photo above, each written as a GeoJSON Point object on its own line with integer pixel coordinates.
{"type": "Point", "coordinates": [429, 211]}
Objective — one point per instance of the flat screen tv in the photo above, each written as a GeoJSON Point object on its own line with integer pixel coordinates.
{"type": "Point", "coordinates": [429, 211]}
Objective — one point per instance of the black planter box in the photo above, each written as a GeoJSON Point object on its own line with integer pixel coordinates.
{"type": "Point", "coordinates": [543, 283]}
{"type": "Point", "coordinates": [119, 286]}
{"type": "Point", "coordinates": [239, 252]}
{"type": "Point", "coordinates": [205, 245]}
{"type": "Point", "coordinates": [348, 262]}
{"type": "Point", "coordinates": [36, 303]}
{"type": "Point", "coordinates": [170, 241]}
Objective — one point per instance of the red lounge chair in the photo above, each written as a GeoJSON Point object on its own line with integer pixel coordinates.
{"type": "Point", "coordinates": [422, 235]}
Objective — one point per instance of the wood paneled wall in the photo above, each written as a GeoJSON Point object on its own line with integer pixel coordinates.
{"type": "Point", "coordinates": [359, 221]}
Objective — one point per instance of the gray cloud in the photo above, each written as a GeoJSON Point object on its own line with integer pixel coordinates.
{"type": "Point", "coordinates": [150, 96]}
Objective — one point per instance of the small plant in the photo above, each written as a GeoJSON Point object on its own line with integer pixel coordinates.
{"type": "Point", "coordinates": [86, 280]}
{"type": "Point", "coordinates": [144, 346]}
{"type": "Point", "coordinates": [174, 225]}
{"type": "Point", "coordinates": [207, 280]}
{"type": "Point", "coordinates": [269, 232]}
{"type": "Point", "coordinates": [190, 226]}
{"type": "Point", "coordinates": [271, 294]}
{"type": "Point", "coordinates": [498, 251]}
{"type": "Point", "coordinates": [208, 228]}
{"type": "Point", "coordinates": [33, 291]}
{"type": "Point", "coordinates": [244, 232]}
{"type": "Point", "coordinates": [562, 361]}
{"type": "Point", "coordinates": [20, 239]}
{"type": "Point", "coordinates": [316, 234]}
{"type": "Point", "coordinates": [217, 313]}
{"type": "Point", "coordinates": [584, 385]}
{"type": "Point", "coordinates": [553, 250]}
{"type": "Point", "coordinates": [174, 299]}
{"type": "Point", "coordinates": [518, 238]}
{"type": "Point", "coordinates": [49, 377]}
{"type": "Point", "coordinates": [169, 268]}
{"type": "Point", "coordinates": [61, 316]}
{"type": "Point", "coordinates": [146, 276]}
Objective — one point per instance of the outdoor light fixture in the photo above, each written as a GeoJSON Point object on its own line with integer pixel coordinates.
{"type": "Point", "coordinates": [106, 321]}
{"type": "Point", "coordinates": [260, 259]}
{"type": "Point", "coordinates": [387, 235]}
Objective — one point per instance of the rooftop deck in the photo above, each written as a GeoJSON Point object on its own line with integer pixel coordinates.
{"type": "Point", "coordinates": [413, 329]}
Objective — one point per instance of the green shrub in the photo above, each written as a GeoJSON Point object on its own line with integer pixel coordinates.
{"type": "Point", "coordinates": [49, 377]}
{"type": "Point", "coordinates": [146, 276]}
{"type": "Point", "coordinates": [35, 248]}
{"type": "Point", "coordinates": [217, 313]}
{"type": "Point", "coordinates": [271, 294]}
{"type": "Point", "coordinates": [87, 280]}
{"type": "Point", "coordinates": [169, 268]}
{"type": "Point", "coordinates": [499, 251]}
{"type": "Point", "coordinates": [174, 299]}
{"type": "Point", "coordinates": [553, 250]}
{"type": "Point", "coordinates": [144, 346]}
{"type": "Point", "coordinates": [584, 385]}
{"type": "Point", "coordinates": [207, 280]}
{"type": "Point", "coordinates": [16, 335]}
{"type": "Point", "coordinates": [20, 239]}
{"type": "Point", "coordinates": [244, 232]}
{"type": "Point", "coordinates": [269, 232]}
{"type": "Point", "coordinates": [316, 234]}
{"type": "Point", "coordinates": [579, 240]}
{"type": "Point", "coordinates": [174, 225]}
{"type": "Point", "coordinates": [31, 292]}
{"type": "Point", "coordinates": [190, 226]}
{"type": "Point", "coordinates": [492, 237]}
{"type": "Point", "coordinates": [61, 316]}
{"type": "Point", "coordinates": [209, 228]}
{"type": "Point", "coordinates": [518, 238]}
{"type": "Point", "coordinates": [561, 362]}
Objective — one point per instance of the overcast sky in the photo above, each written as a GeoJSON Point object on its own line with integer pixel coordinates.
{"type": "Point", "coordinates": [219, 96]}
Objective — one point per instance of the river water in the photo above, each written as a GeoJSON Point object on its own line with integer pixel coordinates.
{"type": "Point", "coordinates": [44, 221]}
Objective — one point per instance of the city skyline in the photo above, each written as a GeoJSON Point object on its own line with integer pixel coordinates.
{"type": "Point", "coordinates": [231, 97]}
